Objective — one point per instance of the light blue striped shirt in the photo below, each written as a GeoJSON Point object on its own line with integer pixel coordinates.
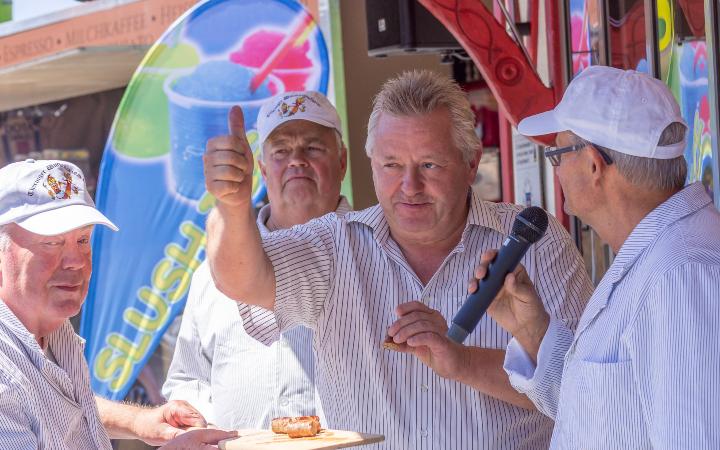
{"type": "Point", "coordinates": [643, 369]}
{"type": "Point", "coordinates": [344, 276]}
{"type": "Point", "coordinates": [233, 380]}
{"type": "Point", "coordinates": [44, 405]}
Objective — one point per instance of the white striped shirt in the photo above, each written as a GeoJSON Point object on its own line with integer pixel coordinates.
{"type": "Point", "coordinates": [643, 369]}
{"type": "Point", "coordinates": [44, 405]}
{"type": "Point", "coordinates": [344, 277]}
{"type": "Point", "coordinates": [233, 380]}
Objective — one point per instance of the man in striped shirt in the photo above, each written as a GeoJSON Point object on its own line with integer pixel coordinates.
{"type": "Point", "coordinates": [349, 277]}
{"type": "Point", "coordinates": [233, 380]}
{"type": "Point", "coordinates": [641, 370]}
{"type": "Point", "coordinates": [46, 218]}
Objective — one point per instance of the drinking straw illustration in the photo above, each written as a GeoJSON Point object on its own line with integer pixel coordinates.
{"type": "Point", "coordinates": [299, 32]}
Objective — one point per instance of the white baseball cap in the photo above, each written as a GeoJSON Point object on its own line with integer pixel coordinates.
{"type": "Point", "coordinates": [47, 198]}
{"type": "Point", "coordinates": [305, 105]}
{"type": "Point", "coordinates": [622, 110]}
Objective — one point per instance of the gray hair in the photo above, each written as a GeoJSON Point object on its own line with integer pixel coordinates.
{"type": "Point", "coordinates": [420, 92]}
{"type": "Point", "coordinates": [4, 238]}
{"type": "Point", "coordinates": [651, 173]}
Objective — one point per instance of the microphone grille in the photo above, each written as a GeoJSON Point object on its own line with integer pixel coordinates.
{"type": "Point", "coordinates": [531, 224]}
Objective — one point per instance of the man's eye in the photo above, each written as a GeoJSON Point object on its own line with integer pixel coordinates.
{"type": "Point", "coordinates": [52, 243]}
{"type": "Point", "coordinates": [84, 241]}
{"type": "Point", "coordinates": [429, 165]}
{"type": "Point", "coordinates": [391, 165]}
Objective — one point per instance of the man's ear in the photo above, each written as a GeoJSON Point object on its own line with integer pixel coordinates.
{"type": "Point", "coordinates": [261, 165]}
{"type": "Point", "coordinates": [475, 158]}
{"type": "Point", "coordinates": [343, 161]}
{"type": "Point", "coordinates": [597, 163]}
{"type": "Point", "coordinates": [473, 164]}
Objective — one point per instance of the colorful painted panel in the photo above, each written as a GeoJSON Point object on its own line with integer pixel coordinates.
{"type": "Point", "coordinates": [684, 67]}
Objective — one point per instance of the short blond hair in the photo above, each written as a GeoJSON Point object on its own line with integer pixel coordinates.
{"type": "Point", "coordinates": [420, 92]}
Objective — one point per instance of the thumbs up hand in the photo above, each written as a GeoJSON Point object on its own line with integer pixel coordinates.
{"type": "Point", "coordinates": [228, 164]}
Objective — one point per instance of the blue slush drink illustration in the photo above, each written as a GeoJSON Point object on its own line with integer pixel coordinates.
{"type": "Point", "coordinates": [142, 126]}
{"type": "Point", "coordinates": [199, 104]}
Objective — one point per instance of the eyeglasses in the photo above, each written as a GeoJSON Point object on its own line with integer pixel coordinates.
{"type": "Point", "coordinates": [553, 153]}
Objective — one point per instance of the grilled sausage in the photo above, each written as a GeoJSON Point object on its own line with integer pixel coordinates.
{"type": "Point", "coordinates": [303, 426]}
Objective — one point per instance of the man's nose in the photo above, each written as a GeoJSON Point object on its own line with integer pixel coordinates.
{"type": "Point", "coordinates": [298, 158]}
{"type": "Point", "coordinates": [412, 183]}
{"type": "Point", "coordinates": [75, 257]}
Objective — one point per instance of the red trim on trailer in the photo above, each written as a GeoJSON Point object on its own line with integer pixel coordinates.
{"type": "Point", "coordinates": [510, 76]}
{"type": "Point", "coordinates": [558, 65]}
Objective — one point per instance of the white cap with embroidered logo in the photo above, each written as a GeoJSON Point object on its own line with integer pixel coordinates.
{"type": "Point", "coordinates": [622, 110]}
{"type": "Point", "coordinates": [304, 105]}
{"type": "Point", "coordinates": [47, 198]}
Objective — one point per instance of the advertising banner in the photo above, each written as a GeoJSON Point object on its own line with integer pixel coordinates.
{"type": "Point", "coordinates": [219, 54]}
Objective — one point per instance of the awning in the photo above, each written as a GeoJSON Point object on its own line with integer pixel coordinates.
{"type": "Point", "coordinates": [89, 48]}
{"type": "Point", "coordinates": [70, 73]}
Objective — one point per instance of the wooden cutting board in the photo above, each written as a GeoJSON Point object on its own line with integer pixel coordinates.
{"type": "Point", "coordinates": [326, 439]}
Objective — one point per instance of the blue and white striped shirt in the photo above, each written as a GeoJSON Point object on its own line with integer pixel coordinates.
{"type": "Point", "coordinates": [44, 405]}
{"type": "Point", "coordinates": [344, 277]}
{"type": "Point", "coordinates": [643, 369]}
{"type": "Point", "coordinates": [233, 380]}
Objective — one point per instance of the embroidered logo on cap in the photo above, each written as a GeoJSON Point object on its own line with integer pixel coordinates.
{"type": "Point", "coordinates": [63, 189]}
{"type": "Point", "coordinates": [61, 182]}
{"type": "Point", "coordinates": [290, 110]}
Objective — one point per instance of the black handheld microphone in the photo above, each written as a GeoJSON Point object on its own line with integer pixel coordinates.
{"type": "Point", "coordinates": [528, 228]}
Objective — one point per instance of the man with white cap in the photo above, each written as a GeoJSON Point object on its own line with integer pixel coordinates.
{"type": "Point", "coordinates": [641, 371]}
{"type": "Point", "coordinates": [235, 381]}
{"type": "Point", "coordinates": [46, 219]}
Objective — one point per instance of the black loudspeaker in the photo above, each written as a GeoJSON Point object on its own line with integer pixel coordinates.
{"type": "Point", "coordinates": [402, 26]}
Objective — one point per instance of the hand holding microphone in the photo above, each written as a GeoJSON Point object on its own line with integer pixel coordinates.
{"type": "Point", "coordinates": [519, 306]}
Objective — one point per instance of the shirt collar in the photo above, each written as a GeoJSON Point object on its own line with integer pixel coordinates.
{"type": "Point", "coordinates": [264, 214]}
{"type": "Point", "coordinates": [344, 206]}
{"type": "Point", "coordinates": [689, 200]}
{"type": "Point", "coordinates": [8, 319]}
{"type": "Point", "coordinates": [484, 214]}
{"type": "Point", "coordinates": [262, 218]}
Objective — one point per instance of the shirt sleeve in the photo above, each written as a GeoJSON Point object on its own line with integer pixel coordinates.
{"type": "Point", "coordinates": [259, 323]}
{"type": "Point", "coordinates": [303, 258]}
{"type": "Point", "coordinates": [673, 345]}
{"type": "Point", "coordinates": [563, 284]}
{"type": "Point", "coordinates": [541, 383]}
{"type": "Point", "coordinates": [15, 426]}
{"type": "Point", "coordinates": [188, 377]}
{"type": "Point", "coordinates": [561, 279]}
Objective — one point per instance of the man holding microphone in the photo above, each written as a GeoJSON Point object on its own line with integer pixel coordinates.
{"type": "Point", "coordinates": [641, 370]}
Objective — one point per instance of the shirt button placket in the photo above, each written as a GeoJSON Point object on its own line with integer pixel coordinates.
{"type": "Point", "coordinates": [425, 409]}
